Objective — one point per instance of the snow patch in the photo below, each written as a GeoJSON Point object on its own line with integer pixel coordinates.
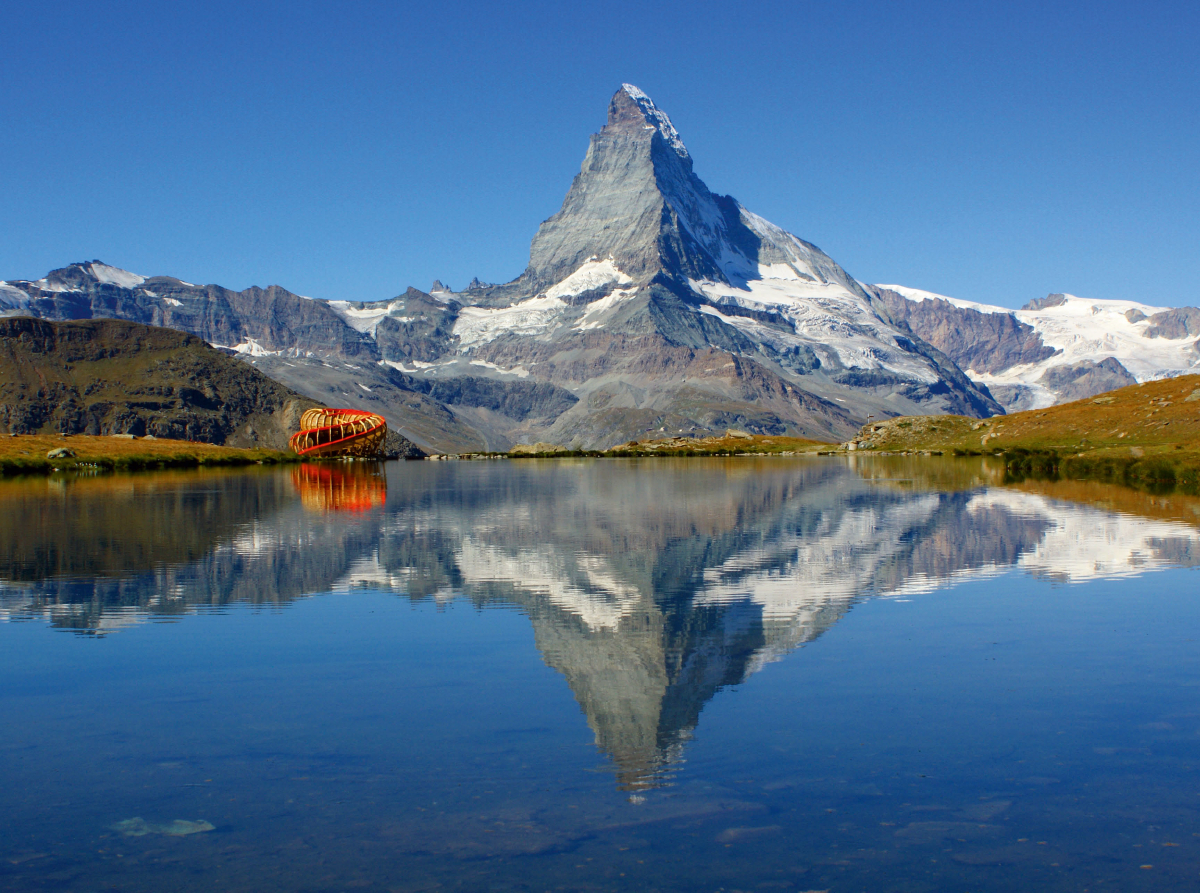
{"type": "Point", "coordinates": [13, 298]}
{"type": "Point", "coordinates": [252, 348]}
{"type": "Point", "coordinates": [57, 287]}
{"type": "Point", "coordinates": [479, 325]}
{"type": "Point", "coordinates": [592, 275]}
{"type": "Point", "coordinates": [364, 319]}
{"type": "Point", "coordinates": [115, 276]}
{"type": "Point", "coordinates": [593, 316]}
{"type": "Point", "coordinates": [916, 294]}
{"type": "Point", "coordinates": [519, 371]}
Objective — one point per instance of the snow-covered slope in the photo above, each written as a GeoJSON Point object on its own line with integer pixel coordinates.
{"type": "Point", "coordinates": [1148, 342]}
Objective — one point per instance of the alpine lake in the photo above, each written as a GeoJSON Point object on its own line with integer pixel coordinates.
{"type": "Point", "coordinates": [805, 674]}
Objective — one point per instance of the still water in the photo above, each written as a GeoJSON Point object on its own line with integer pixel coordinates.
{"type": "Point", "coordinates": [776, 674]}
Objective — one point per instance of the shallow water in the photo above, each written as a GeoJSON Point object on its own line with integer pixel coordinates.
{"type": "Point", "coordinates": [589, 675]}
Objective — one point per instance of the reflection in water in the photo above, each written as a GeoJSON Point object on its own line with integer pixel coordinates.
{"type": "Point", "coordinates": [650, 585]}
{"type": "Point", "coordinates": [341, 486]}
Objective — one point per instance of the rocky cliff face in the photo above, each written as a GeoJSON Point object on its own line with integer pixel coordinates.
{"type": "Point", "coordinates": [976, 341]}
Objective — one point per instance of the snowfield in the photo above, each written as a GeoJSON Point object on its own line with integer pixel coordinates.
{"type": "Point", "coordinates": [1084, 329]}
{"type": "Point", "coordinates": [823, 314]}
{"type": "Point", "coordinates": [535, 316]}
{"type": "Point", "coordinates": [593, 274]}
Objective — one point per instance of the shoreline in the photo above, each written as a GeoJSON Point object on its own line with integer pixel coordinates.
{"type": "Point", "coordinates": [27, 454]}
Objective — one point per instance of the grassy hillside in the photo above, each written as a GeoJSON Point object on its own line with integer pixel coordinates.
{"type": "Point", "coordinates": [107, 376]}
{"type": "Point", "coordinates": [1144, 432]}
{"type": "Point", "coordinates": [27, 453]}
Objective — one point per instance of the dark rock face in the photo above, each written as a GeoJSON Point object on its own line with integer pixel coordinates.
{"type": "Point", "coordinates": [1075, 381]}
{"type": "Point", "coordinates": [1178, 323]}
{"type": "Point", "coordinates": [1054, 300]}
{"type": "Point", "coordinates": [979, 342]}
{"type": "Point", "coordinates": [421, 330]}
{"type": "Point", "coordinates": [519, 400]}
{"type": "Point", "coordinates": [115, 377]}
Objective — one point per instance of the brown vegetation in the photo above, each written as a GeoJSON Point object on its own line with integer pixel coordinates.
{"type": "Point", "coordinates": [27, 453]}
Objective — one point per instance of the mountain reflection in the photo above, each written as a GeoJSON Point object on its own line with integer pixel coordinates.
{"type": "Point", "coordinates": [650, 585]}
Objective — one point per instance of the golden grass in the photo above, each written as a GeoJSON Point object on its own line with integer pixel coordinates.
{"type": "Point", "coordinates": [1143, 433]}
{"type": "Point", "coordinates": [1154, 415]}
{"type": "Point", "coordinates": [26, 453]}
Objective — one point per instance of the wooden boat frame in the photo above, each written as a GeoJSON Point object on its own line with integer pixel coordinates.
{"type": "Point", "coordinates": [339, 433]}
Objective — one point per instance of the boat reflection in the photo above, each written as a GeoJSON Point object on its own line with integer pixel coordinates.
{"type": "Point", "coordinates": [651, 585]}
{"type": "Point", "coordinates": [341, 486]}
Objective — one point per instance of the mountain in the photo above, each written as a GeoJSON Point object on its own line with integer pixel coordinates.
{"type": "Point", "coordinates": [116, 377]}
{"type": "Point", "coordinates": [666, 308]}
{"type": "Point", "coordinates": [1054, 349]}
{"type": "Point", "coordinates": [650, 305]}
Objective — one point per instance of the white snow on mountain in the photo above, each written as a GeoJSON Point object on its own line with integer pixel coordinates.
{"type": "Point", "coordinates": [12, 298]}
{"type": "Point", "coordinates": [115, 276]}
{"type": "Point", "coordinates": [593, 274]}
{"type": "Point", "coordinates": [363, 319]}
{"type": "Point", "coordinates": [46, 285]}
{"type": "Point", "coordinates": [825, 316]}
{"type": "Point", "coordinates": [917, 294]}
{"type": "Point", "coordinates": [1084, 329]}
{"type": "Point", "coordinates": [535, 316]}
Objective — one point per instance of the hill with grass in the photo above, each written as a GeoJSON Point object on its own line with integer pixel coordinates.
{"type": "Point", "coordinates": [108, 376]}
{"type": "Point", "coordinates": [1149, 431]}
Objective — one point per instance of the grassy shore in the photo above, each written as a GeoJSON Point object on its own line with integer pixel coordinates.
{"type": "Point", "coordinates": [26, 454]}
{"type": "Point", "coordinates": [729, 444]}
{"type": "Point", "coordinates": [1143, 434]}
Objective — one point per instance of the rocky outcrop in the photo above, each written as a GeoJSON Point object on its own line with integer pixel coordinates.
{"type": "Point", "coordinates": [1074, 381]}
{"type": "Point", "coordinates": [1180, 322]}
{"type": "Point", "coordinates": [1052, 300]}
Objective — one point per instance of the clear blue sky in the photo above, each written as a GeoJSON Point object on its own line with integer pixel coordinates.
{"type": "Point", "coordinates": [989, 151]}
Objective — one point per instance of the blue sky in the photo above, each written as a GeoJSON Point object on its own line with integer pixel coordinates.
{"type": "Point", "coordinates": [989, 151]}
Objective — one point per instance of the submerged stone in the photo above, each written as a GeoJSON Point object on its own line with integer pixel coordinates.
{"type": "Point", "coordinates": [139, 827]}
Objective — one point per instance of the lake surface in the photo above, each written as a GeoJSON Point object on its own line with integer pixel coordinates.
{"type": "Point", "coordinates": [707, 674]}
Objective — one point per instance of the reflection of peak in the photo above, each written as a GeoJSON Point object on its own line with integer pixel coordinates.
{"type": "Point", "coordinates": [643, 683]}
